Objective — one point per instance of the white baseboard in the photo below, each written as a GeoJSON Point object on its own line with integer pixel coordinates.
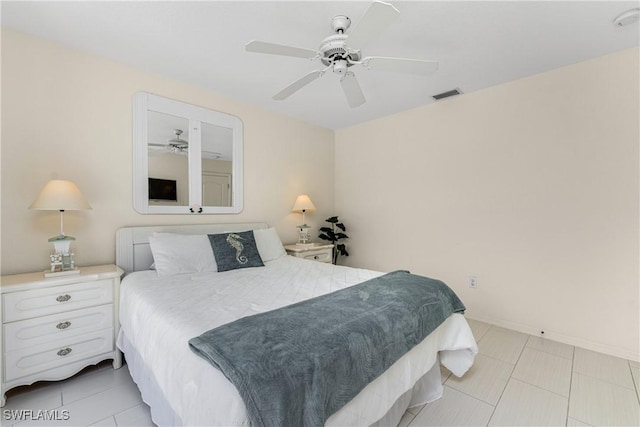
{"type": "Point", "coordinates": [566, 339]}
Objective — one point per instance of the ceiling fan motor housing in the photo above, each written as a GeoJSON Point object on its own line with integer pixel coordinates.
{"type": "Point", "coordinates": [334, 48]}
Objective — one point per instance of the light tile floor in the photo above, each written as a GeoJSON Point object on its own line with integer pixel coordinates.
{"type": "Point", "coordinates": [516, 380]}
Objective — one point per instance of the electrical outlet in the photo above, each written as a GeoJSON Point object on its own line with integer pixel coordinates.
{"type": "Point", "coordinates": [473, 282]}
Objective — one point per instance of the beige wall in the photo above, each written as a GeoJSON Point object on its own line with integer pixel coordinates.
{"type": "Point", "coordinates": [531, 186]}
{"type": "Point", "coordinates": [67, 114]}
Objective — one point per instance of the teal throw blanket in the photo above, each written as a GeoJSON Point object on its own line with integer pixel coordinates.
{"type": "Point", "coordinates": [297, 365]}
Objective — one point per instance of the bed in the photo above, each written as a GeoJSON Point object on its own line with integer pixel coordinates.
{"type": "Point", "coordinates": [159, 314]}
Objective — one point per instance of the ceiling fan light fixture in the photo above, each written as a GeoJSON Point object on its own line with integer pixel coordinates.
{"type": "Point", "coordinates": [340, 66]}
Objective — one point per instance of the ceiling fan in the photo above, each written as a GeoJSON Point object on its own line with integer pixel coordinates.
{"type": "Point", "coordinates": [341, 51]}
{"type": "Point", "coordinates": [177, 145]}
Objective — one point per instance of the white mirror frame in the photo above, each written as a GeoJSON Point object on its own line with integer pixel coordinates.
{"type": "Point", "coordinates": [143, 103]}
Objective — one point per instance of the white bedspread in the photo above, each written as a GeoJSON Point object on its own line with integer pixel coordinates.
{"type": "Point", "coordinates": [159, 315]}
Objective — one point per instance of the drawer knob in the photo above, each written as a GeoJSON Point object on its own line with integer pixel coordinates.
{"type": "Point", "coordinates": [63, 325]}
{"type": "Point", "coordinates": [64, 351]}
{"type": "Point", "coordinates": [316, 257]}
{"type": "Point", "coordinates": [63, 298]}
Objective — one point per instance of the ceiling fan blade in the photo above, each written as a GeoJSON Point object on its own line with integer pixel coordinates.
{"type": "Point", "coordinates": [401, 65]}
{"type": "Point", "coordinates": [153, 144]}
{"type": "Point", "coordinates": [374, 21]}
{"type": "Point", "coordinates": [280, 49]}
{"type": "Point", "coordinates": [297, 85]}
{"type": "Point", "coordinates": [352, 90]}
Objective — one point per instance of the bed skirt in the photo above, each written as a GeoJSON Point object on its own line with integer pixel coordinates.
{"type": "Point", "coordinates": [412, 381]}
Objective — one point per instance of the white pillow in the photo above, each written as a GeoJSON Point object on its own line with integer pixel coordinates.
{"type": "Point", "coordinates": [269, 244]}
{"type": "Point", "coordinates": [182, 253]}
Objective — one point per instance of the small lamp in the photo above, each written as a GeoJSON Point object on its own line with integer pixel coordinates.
{"type": "Point", "coordinates": [61, 196]}
{"type": "Point", "coordinates": [303, 203]}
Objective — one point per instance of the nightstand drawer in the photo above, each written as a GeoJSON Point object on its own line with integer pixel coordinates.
{"type": "Point", "coordinates": [20, 363]}
{"type": "Point", "coordinates": [56, 299]}
{"type": "Point", "coordinates": [57, 327]}
{"type": "Point", "coordinates": [319, 255]}
{"type": "Point", "coordinates": [315, 252]}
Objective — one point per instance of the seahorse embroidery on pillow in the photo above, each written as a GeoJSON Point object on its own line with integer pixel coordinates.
{"type": "Point", "coordinates": [235, 242]}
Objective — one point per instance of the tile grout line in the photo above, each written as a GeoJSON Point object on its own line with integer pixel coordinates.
{"type": "Point", "coordinates": [426, 404]}
{"type": "Point", "coordinates": [573, 358]}
{"type": "Point", "coordinates": [485, 333]}
{"type": "Point", "coordinates": [633, 379]}
{"type": "Point", "coordinates": [510, 377]}
{"type": "Point", "coordinates": [607, 380]}
{"type": "Point", "coordinates": [499, 360]}
{"type": "Point", "coordinates": [633, 389]}
{"type": "Point", "coordinates": [542, 388]}
{"type": "Point", "coordinates": [474, 397]}
{"type": "Point", "coordinates": [496, 359]}
{"type": "Point", "coordinates": [112, 415]}
{"type": "Point", "coordinates": [549, 352]}
{"type": "Point", "coordinates": [89, 374]}
{"type": "Point", "coordinates": [459, 391]}
{"type": "Point", "coordinates": [571, 386]}
{"type": "Point", "coordinates": [469, 395]}
{"type": "Point", "coordinates": [414, 416]}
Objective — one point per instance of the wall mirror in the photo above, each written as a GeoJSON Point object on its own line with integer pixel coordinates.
{"type": "Point", "coordinates": [187, 159]}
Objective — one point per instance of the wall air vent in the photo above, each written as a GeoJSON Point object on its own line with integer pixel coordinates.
{"type": "Point", "coordinates": [447, 94]}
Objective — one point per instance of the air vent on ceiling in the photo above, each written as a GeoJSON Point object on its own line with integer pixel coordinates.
{"type": "Point", "coordinates": [447, 94]}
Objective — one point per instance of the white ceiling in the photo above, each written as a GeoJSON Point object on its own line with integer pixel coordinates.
{"type": "Point", "coordinates": [477, 43]}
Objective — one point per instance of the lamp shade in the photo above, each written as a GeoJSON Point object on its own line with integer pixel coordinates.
{"type": "Point", "coordinates": [303, 203]}
{"type": "Point", "coordinates": [59, 195]}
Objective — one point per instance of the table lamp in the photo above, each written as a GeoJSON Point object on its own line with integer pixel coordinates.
{"type": "Point", "coordinates": [303, 203]}
{"type": "Point", "coordinates": [59, 195]}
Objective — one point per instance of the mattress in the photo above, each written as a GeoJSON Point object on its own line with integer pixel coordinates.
{"type": "Point", "coordinates": [159, 315]}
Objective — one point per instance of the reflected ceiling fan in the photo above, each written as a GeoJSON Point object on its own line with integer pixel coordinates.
{"type": "Point", "coordinates": [341, 51]}
{"type": "Point", "coordinates": [177, 145]}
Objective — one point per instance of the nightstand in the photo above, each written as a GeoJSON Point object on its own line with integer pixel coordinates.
{"type": "Point", "coordinates": [53, 327]}
{"type": "Point", "coordinates": [316, 252]}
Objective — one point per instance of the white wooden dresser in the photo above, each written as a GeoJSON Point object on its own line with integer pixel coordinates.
{"type": "Point", "coordinates": [53, 327]}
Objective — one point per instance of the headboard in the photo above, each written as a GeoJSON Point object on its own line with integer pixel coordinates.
{"type": "Point", "coordinates": [132, 243]}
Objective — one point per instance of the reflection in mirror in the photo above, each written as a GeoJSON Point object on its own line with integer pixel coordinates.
{"type": "Point", "coordinates": [185, 157]}
{"type": "Point", "coordinates": [216, 165]}
{"type": "Point", "coordinates": [168, 161]}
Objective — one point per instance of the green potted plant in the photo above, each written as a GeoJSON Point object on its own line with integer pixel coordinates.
{"type": "Point", "coordinates": [330, 234]}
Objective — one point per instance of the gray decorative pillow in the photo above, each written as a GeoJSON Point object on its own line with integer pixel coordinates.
{"type": "Point", "coordinates": [235, 250]}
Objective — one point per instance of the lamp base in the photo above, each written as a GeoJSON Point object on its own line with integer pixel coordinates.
{"type": "Point", "coordinates": [303, 235]}
{"type": "Point", "coordinates": [49, 273]}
